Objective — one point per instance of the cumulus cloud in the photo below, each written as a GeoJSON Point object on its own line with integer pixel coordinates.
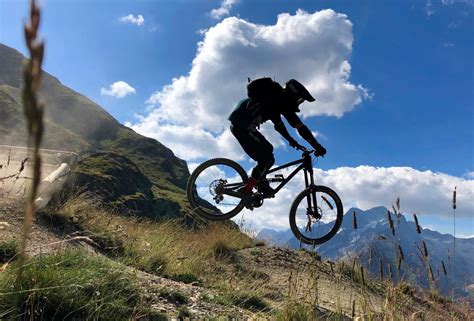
{"type": "Point", "coordinates": [223, 10]}
{"type": "Point", "coordinates": [136, 20]}
{"type": "Point", "coordinates": [118, 89]}
{"type": "Point", "coordinates": [311, 47]}
{"type": "Point", "coordinates": [420, 192]}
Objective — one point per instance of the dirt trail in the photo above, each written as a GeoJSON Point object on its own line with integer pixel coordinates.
{"type": "Point", "coordinates": [300, 275]}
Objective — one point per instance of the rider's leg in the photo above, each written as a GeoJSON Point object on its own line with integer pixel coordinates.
{"type": "Point", "coordinates": [259, 149]}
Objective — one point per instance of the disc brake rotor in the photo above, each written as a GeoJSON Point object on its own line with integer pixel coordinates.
{"type": "Point", "coordinates": [215, 189]}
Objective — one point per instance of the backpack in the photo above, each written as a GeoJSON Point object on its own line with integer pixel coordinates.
{"type": "Point", "coordinates": [262, 88]}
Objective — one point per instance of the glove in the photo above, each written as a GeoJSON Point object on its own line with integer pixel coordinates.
{"type": "Point", "coordinates": [319, 150]}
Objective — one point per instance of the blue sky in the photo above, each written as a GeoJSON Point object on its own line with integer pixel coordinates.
{"type": "Point", "coordinates": [413, 58]}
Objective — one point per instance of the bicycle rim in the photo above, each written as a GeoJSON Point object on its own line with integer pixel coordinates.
{"type": "Point", "coordinates": [208, 180]}
{"type": "Point", "coordinates": [316, 224]}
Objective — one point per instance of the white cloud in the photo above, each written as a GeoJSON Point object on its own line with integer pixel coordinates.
{"type": "Point", "coordinates": [451, 2]}
{"type": "Point", "coordinates": [420, 192]}
{"type": "Point", "coordinates": [313, 48]}
{"type": "Point", "coordinates": [136, 20]}
{"type": "Point", "coordinates": [465, 236]}
{"type": "Point", "coordinates": [223, 10]}
{"type": "Point", "coordinates": [435, 6]}
{"type": "Point", "coordinates": [118, 89]}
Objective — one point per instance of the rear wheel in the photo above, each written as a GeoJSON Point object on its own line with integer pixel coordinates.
{"type": "Point", "coordinates": [316, 224]}
{"type": "Point", "coordinates": [206, 185]}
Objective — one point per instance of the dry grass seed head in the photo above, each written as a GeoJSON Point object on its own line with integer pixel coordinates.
{"type": "Point", "coordinates": [390, 222]}
{"type": "Point", "coordinates": [380, 269]}
{"type": "Point", "coordinates": [418, 228]}
{"type": "Point", "coordinates": [354, 220]}
{"type": "Point", "coordinates": [454, 198]}
{"type": "Point", "coordinates": [425, 249]}
{"type": "Point", "coordinates": [33, 111]}
{"type": "Point", "coordinates": [444, 267]}
{"type": "Point", "coordinates": [431, 272]}
{"type": "Point", "coordinates": [400, 252]}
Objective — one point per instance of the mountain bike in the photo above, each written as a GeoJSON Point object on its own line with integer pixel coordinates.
{"type": "Point", "coordinates": [315, 215]}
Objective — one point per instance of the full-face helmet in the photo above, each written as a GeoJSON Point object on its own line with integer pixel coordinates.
{"type": "Point", "coordinates": [298, 92]}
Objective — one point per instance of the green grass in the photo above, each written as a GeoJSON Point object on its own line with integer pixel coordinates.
{"type": "Point", "coordinates": [158, 247]}
{"type": "Point", "coordinates": [295, 311]}
{"type": "Point", "coordinates": [246, 300]}
{"type": "Point", "coordinates": [174, 296]}
{"type": "Point", "coordinates": [8, 249]}
{"type": "Point", "coordinates": [183, 313]}
{"type": "Point", "coordinates": [71, 285]}
{"type": "Point", "coordinates": [187, 278]}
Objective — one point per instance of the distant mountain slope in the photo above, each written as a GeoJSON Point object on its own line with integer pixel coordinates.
{"type": "Point", "coordinates": [76, 123]}
{"type": "Point", "coordinates": [373, 240]}
{"type": "Point", "coordinates": [13, 128]}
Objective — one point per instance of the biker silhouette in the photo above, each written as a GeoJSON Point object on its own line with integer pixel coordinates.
{"type": "Point", "coordinates": [268, 100]}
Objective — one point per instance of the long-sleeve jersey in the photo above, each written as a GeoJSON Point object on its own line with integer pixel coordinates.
{"type": "Point", "coordinates": [249, 113]}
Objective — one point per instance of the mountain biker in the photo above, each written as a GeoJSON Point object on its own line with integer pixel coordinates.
{"type": "Point", "coordinates": [251, 112]}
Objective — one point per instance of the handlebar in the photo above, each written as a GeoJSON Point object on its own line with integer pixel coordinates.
{"type": "Point", "coordinates": [307, 151]}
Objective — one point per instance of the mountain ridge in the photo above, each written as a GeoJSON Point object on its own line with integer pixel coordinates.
{"type": "Point", "coordinates": [373, 235]}
{"type": "Point", "coordinates": [75, 123]}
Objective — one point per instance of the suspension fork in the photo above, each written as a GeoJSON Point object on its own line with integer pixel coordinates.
{"type": "Point", "coordinates": [311, 198]}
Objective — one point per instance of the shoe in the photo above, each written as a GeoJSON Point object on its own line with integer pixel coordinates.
{"type": "Point", "coordinates": [264, 188]}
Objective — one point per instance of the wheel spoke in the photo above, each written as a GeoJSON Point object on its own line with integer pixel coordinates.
{"type": "Point", "coordinates": [208, 196]}
{"type": "Point", "coordinates": [315, 225]}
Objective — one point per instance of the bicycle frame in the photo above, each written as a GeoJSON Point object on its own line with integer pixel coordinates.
{"type": "Point", "coordinates": [305, 164]}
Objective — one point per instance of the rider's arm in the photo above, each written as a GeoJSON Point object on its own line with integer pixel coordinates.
{"type": "Point", "coordinates": [281, 128]}
{"type": "Point", "coordinates": [303, 130]}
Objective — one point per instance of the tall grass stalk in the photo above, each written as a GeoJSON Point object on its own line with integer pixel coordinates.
{"type": "Point", "coordinates": [454, 243]}
{"type": "Point", "coordinates": [33, 111]}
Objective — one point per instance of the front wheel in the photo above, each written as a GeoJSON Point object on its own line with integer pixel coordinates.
{"type": "Point", "coordinates": [212, 187]}
{"type": "Point", "coordinates": [315, 224]}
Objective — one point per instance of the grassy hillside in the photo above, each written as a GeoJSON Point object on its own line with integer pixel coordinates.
{"type": "Point", "coordinates": [76, 123]}
{"type": "Point", "coordinates": [144, 269]}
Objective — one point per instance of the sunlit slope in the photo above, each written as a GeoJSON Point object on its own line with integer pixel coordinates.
{"type": "Point", "coordinates": [76, 123]}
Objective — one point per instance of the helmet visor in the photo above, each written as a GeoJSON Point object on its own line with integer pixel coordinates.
{"type": "Point", "coordinates": [298, 89]}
